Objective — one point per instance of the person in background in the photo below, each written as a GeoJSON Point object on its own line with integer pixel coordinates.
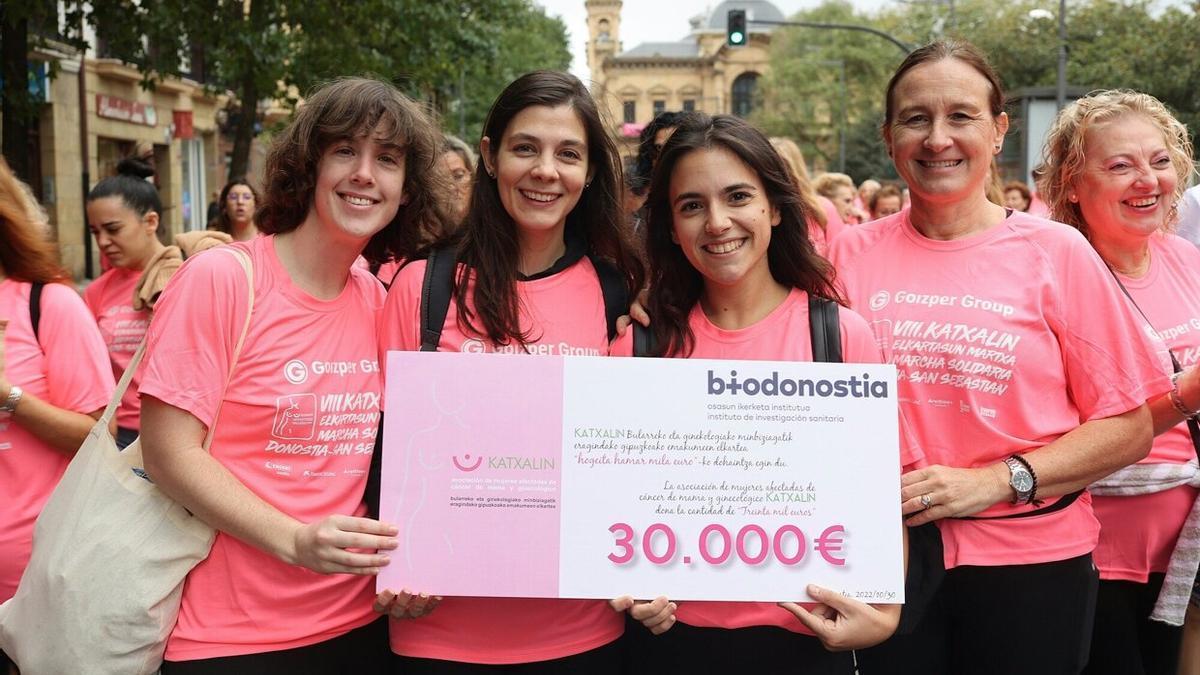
{"type": "Point", "coordinates": [1025, 379]}
{"type": "Point", "coordinates": [862, 201]}
{"type": "Point", "coordinates": [1189, 215]}
{"type": "Point", "coordinates": [1017, 196]}
{"type": "Point", "coordinates": [239, 202]}
{"type": "Point", "coordinates": [1115, 165]}
{"type": "Point", "coordinates": [825, 220]}
{"type": "Point", "coordinates": [886, 201]}
{"type": "Point", "coordinates": [55, 375]}
{"type": "Point", "coordinates": [459, 162]}
{"type": "Point", "coordinates": [124, 213]}
{"type": "Point", "coordinates": [839, 189]}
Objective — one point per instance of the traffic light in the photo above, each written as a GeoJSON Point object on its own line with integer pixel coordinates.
{"type": "Point", "coordinates": [735, 28]}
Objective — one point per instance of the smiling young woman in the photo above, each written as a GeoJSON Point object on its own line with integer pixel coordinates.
{"type": "Point", "coordinates": [545, 215]}
{"type": "Point", "coordinates": [294, 555]}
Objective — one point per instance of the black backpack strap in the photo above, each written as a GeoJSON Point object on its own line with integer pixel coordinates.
{"type": "Point", "coordinates": [826, 333]}
{"type": "Point", "coordinates": [643, 340]}
{"type": "Point", "coordinates": [35, 307]}
{"type": "Point", "coordinates": [615, 292]}
{"type": "Point", "coordinates": [436, 290]}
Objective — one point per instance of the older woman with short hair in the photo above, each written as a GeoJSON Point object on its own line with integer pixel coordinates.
{"type": "Point", "coordinates": [1116, 164]}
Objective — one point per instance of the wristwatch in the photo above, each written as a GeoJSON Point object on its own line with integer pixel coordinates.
{"type": "Point", "coordinates": [1021, 480]}
{"type": "Point", "coordinates": [14, 397]}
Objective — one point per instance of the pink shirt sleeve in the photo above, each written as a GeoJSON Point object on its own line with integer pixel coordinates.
{"type": "Point", "coordinates": [78, 374]}
{"type": "Point", "coordinates": [196, 325]}
{"type": "Point", "coordinates": [400, 323]}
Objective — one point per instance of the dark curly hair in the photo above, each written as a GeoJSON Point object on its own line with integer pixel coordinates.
{"type": "Point", "coordinates": [347, 108]}
{"type": "Point", "coordinates": [675, 285]}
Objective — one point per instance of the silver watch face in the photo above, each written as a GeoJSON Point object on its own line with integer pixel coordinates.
{"type": "Point", "coordinates": [1022, 481]}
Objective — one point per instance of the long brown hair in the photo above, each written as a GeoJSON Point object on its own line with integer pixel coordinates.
{"type": "Point", "coordinates": [487, 242]}
{"type": "Point", "coordinates": [676, 286]}
{"type": "Point", "coordinates": [27, 251]}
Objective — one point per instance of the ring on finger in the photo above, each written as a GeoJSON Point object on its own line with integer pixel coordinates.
{"type": "Point", "coordinates": [926, 501]}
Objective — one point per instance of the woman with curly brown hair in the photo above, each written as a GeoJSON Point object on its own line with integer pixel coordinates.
{"type": "Point", "coordinates": [288, 586]}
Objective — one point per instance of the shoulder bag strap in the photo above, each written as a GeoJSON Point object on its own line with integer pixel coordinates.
{"type": "Point", "coordinates": [35, 308]}
{"type": "Point", "coordinates": [436, 292]}
{"type": "Point", "coordinates": [824, 328]}
{"type": "Point", "coordinates": [127, 376]}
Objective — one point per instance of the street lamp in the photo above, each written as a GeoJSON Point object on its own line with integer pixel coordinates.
{"type": "Point", "coordinates": [1060, 92]}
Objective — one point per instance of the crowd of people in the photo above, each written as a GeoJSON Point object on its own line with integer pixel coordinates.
{"type": "Point", "coordinates": [1047, 410]}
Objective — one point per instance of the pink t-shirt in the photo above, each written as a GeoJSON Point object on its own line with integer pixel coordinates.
{"type": "Point", "coordinates": [566, 314]}
{"type": "Point", "coordinates": [1003, 341]}
{"type": "Point", "coordinates": [66, 366]}
{"type": "Point", "coordinates": [110, 299]}
{"type": "Point", "coordinates": [297, 428]}
{"type": "Point", "coordinates": [1137, 534]}
{"type": "Point", "coordinates": [783, 335]}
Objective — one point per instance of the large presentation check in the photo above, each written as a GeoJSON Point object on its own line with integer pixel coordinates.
{"type": "Point", "coordinates": [593, 477]}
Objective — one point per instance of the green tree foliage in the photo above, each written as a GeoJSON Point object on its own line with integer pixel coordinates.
{"type": "Point", "coordinates": [1134, 44]}
{"type": "Point", "coordinates": [452, 54]}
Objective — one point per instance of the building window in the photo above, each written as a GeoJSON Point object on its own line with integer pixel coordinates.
{"type": "Point", "coordinates": [743, 93]}
{"type": "Point", "coordinates": [630, 112]}
{"type": "Point", "coordinates": [689, 105]}
{"type": "Point", "coordinates": [603, 36]}
{"type": "Point", "coordinates": [660, 107]}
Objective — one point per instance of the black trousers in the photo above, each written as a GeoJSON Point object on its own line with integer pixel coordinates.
{"type": "Point", "coordinates": [362, 650]}
{"type": "Point", "coordinates": [605, 660]}
{"type": "Point", "coordinates": [1003, 620]}
{"type": "Point", "coordinates": [1124, 640]}
{"type": "Point", "coordinates": [761, 650]}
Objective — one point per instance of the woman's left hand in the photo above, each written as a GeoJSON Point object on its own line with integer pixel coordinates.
{"type": "Point", "coordinates": [843, 623]}
{"type": "Point", "coordinates": [934, 492]}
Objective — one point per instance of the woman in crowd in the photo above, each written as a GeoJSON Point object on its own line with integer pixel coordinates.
{"type": "Point", "coordinates": [886, 201]}
{"type": "Point", "coordinates": [1116, 164]}
{"type": "Point", "coordinates": [1022, 370]}
{"type": "Point", "coordinates": [459, 162]}
{"type": "Point", "coordinates": [733, 275]}
{"type": "Point", "coordinates": [123, 214]}
{"type": "Point", "coordinates": [289, 584]}
{"type": "Point", "coordinates": [1017, 196]}
{"type": "Point", "coordinates": [545, 211]}
{"type": "Point", "coordinates": [55, 378]}
{"type": "Point", "coordinates": [825, 222]}
{"type": "Point", "coordinates": [238, 203]}
{"type": "Point", "coordinates": [839, 189]}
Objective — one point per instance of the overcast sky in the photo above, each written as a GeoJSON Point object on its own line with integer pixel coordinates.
{"type": "Point", "coordinates": [652, 21]}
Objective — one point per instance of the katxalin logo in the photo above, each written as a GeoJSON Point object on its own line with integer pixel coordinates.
{"type": "Point", "coordinates": [880, 300]}
{"type": "Point", "coordinates": [466, 465]}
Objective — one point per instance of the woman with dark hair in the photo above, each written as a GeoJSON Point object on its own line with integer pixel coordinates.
{"type": "Point", "coordinates": [289, 582]}
{"type": "Point", "coordinates": [55, 377]}
{"type": "Point", "coordinates": [545, 221]}
{"type": "Point", "coordinates": [124, 214]}
{"type": "Point", "coordinates": [734, 273]}
{"type": "Point", "coordinates": [237, 203]}
{"type": "Point", "coordinates": [1021, 368]}
{"type": "Point", "coordinates": [1116, 163]}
